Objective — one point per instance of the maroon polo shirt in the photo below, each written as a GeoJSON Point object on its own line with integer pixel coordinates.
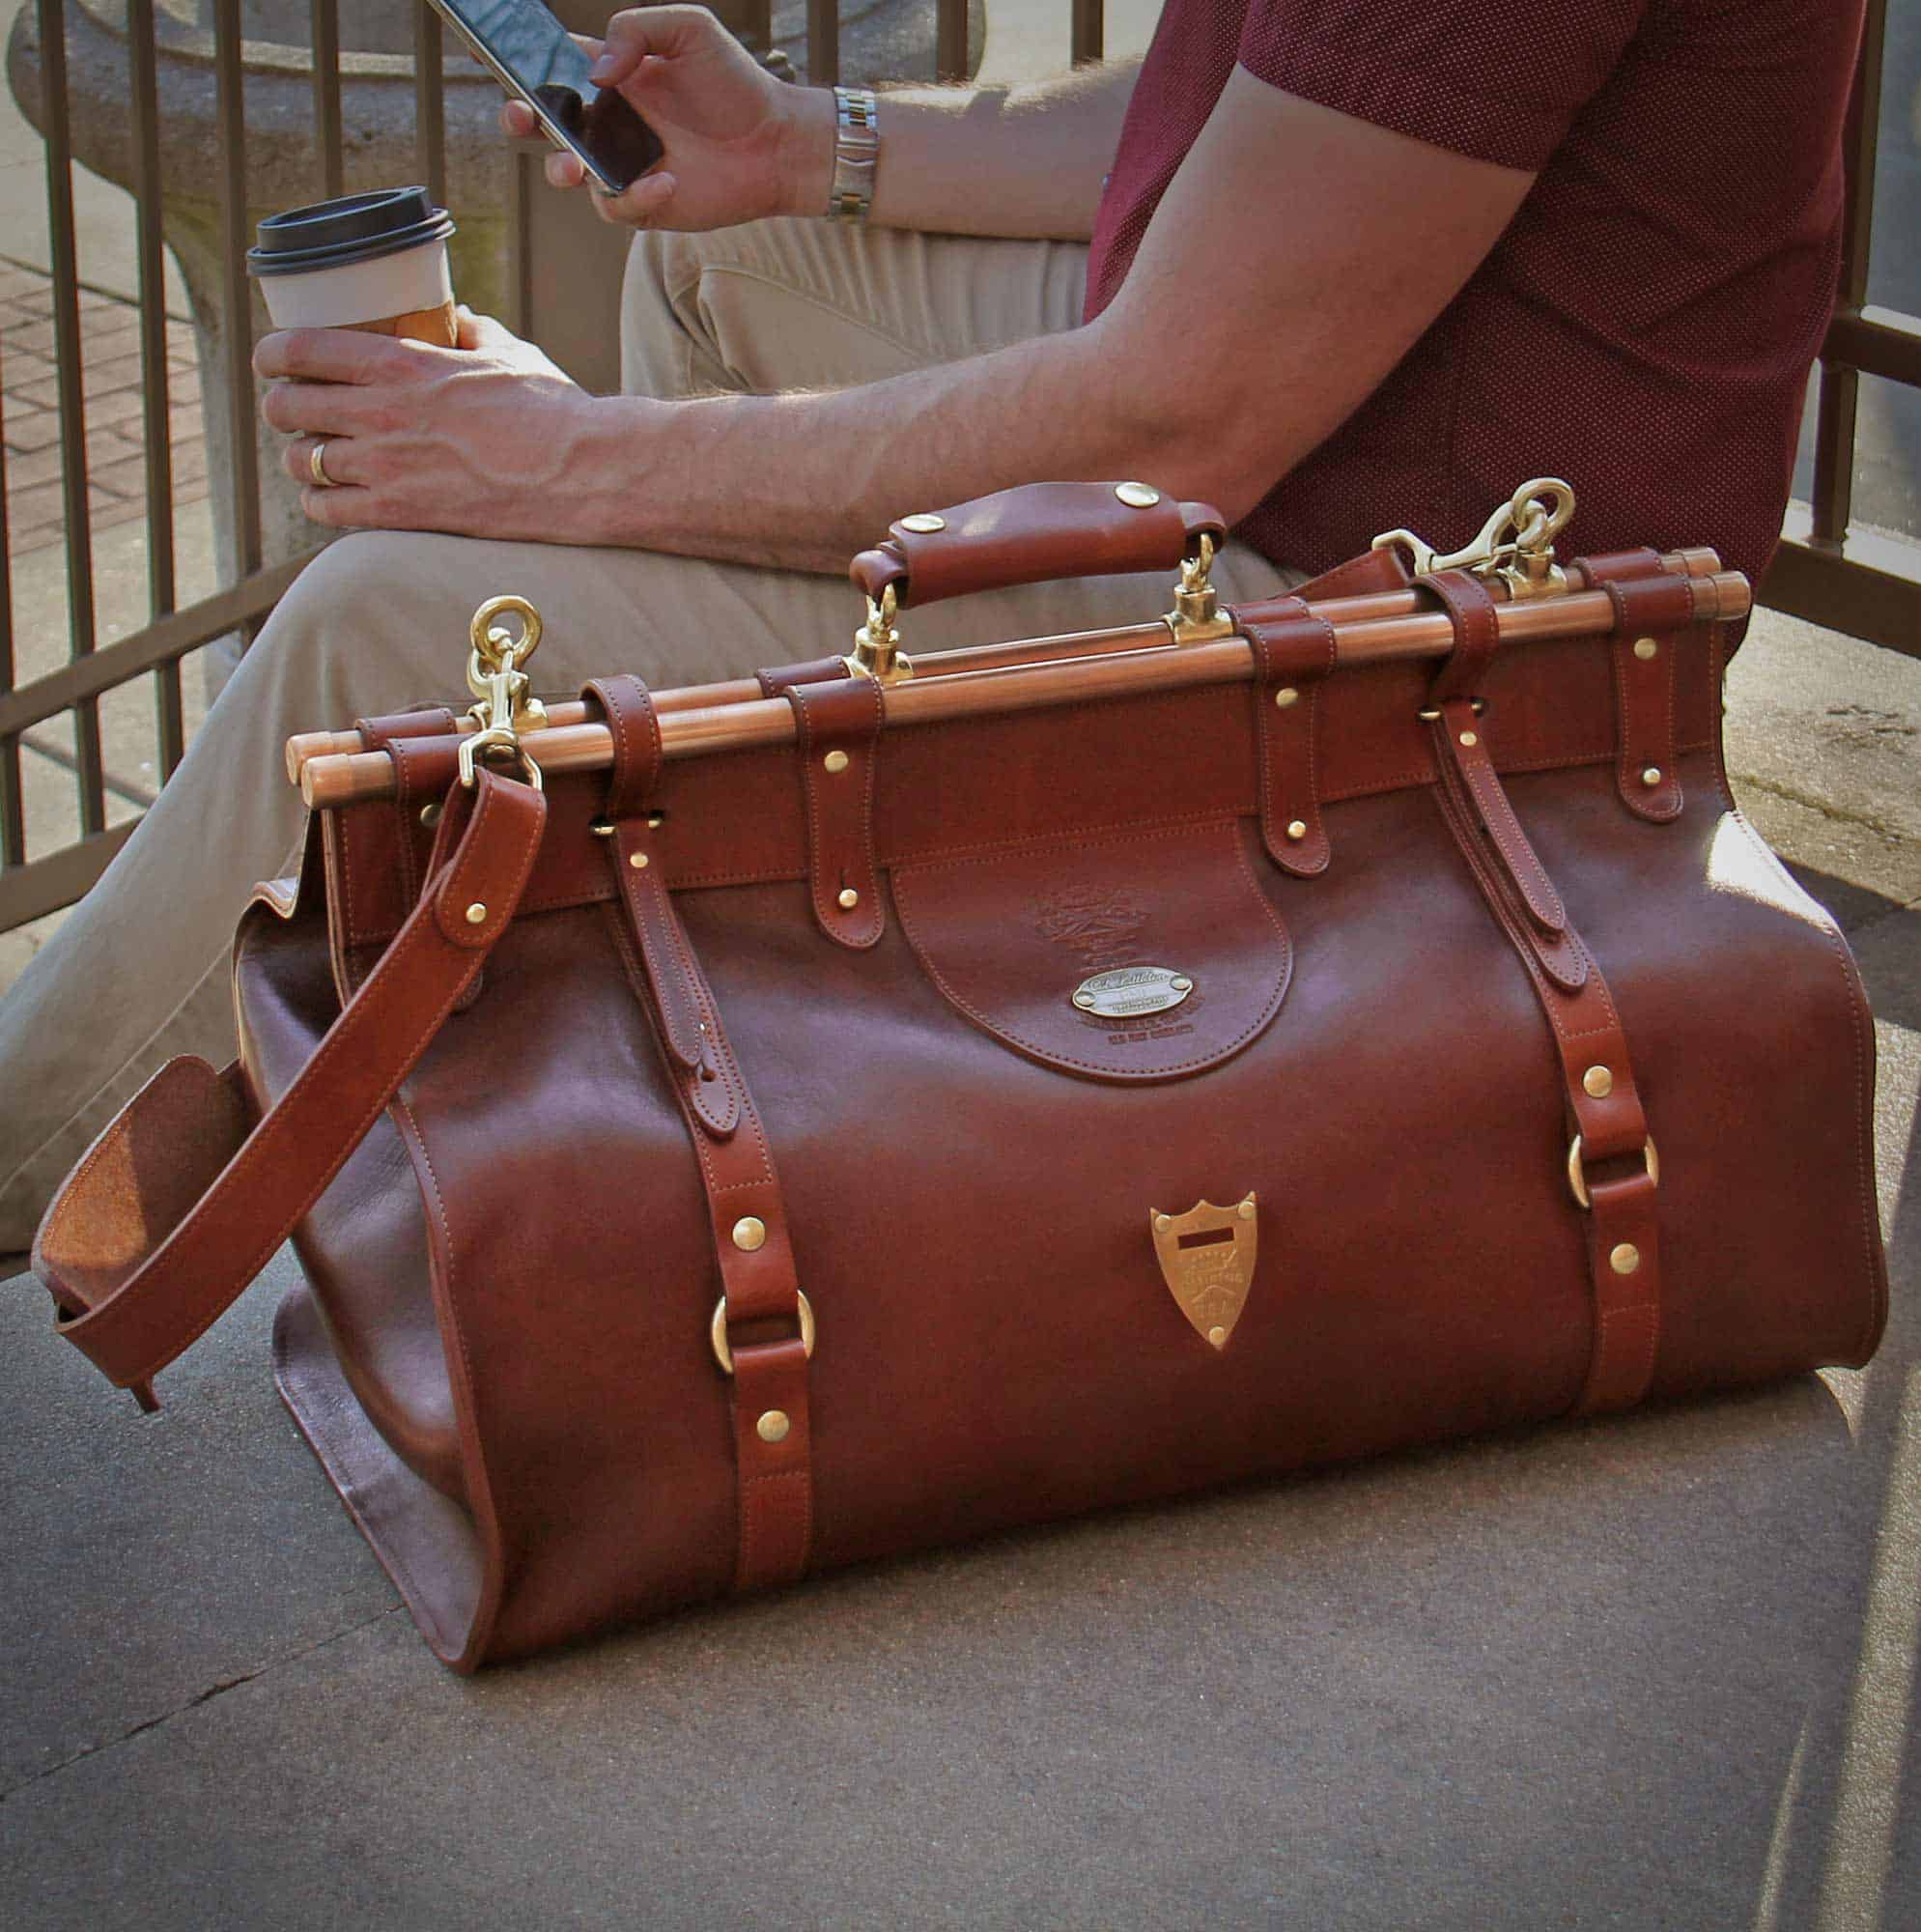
{"type": "Point", "coordinates": [1645, 326]}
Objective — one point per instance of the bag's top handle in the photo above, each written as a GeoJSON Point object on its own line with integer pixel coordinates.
{"type": "Point", "coordinates": [1032, 535]}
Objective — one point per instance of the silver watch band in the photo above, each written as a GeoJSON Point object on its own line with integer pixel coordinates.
{"type": "Point", "coordinates": [857, 147]}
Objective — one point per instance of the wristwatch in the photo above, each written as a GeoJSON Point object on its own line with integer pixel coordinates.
{"type": "Point", "coordinates": [857, 146]}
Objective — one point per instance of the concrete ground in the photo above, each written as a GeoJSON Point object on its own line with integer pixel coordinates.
{"type": "Point", "coordinates": [1658, 1672]}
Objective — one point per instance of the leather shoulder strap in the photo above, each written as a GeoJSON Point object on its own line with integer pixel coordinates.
{"type": "Point", "coordinates": [176, 1206]}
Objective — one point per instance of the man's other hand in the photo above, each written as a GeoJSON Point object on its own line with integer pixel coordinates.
{"type": "Point", "coordinates": [488, 439]}
{"type": "Point", "coordinates": [739, 143]}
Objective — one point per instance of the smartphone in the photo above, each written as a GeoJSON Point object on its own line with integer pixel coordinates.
{"type": "Point", "coordinates": [536, 60]}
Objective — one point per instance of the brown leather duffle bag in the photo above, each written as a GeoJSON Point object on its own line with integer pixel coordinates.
{"type": "Point", "coordinates": [736, 1131]}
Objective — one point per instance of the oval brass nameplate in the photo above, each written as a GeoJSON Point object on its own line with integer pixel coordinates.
{"type": "Point", "coordinates": [1132, 992]}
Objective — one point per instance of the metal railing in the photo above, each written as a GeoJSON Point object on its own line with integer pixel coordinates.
{"type": "Point", "coordinates": [1859, 581]}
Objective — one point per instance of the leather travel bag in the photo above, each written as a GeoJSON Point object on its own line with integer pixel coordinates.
{"type": "Point", "coordinates": [732, 1132]}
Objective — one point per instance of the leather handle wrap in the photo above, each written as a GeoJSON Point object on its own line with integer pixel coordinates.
{"type": "Point", "coordinates": [1032, 535]}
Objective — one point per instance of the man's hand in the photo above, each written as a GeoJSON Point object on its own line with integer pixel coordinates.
{"type": "Point", "coordinates": [487, 440]}
{"type": "Point", "coordinates": [739, 144]}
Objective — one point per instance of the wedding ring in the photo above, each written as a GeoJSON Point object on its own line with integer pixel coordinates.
{"type": "Point", "coordinates": [317, 468]}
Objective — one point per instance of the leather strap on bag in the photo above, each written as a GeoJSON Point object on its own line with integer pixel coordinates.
{"type": "Point", "coordinates": [1597, 1075]}
{"type": "Point", "coordinates": [760, 1288]}
{"type": "Point", "coordinates": [1293, 651]}
{"type": "Point", "coordinates": [1649, 607]}
{"type": "Point", "coordinates": [776, 682]}
{"type": "Point", "coordinates": [176, 1206]}
{"type": "Point", "coordinates": [838, 726]}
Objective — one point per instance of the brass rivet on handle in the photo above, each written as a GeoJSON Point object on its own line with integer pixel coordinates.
{"type": "Point", "coordinates": [1286, 696]}
{"type": "Point", "coordinates": [476, 913]}
{"type": "Point", "coordinates": [849, 898]}
{"type": "Point", "coordinates": [1469, 739]}
{"type": "Point", "coordinates": [773, 1426]}
{"type": "Point", "coordinates": [637, 860]}
{"type": "Point", "coordinates": [836, 761]}
{"type": "Point", "coordinates": [1652, 776]}
{"type": "Point", "coordinates": [430, 814]}
{"type": "Point", "coordinates": [1624, 1258]}
{"type": "Point", "coordinates": [923, 523]}
{"type": "Point", "coordinates": [1138, 496]}
{"type": "Point", "coordinates": [1298, 829]}
{"type": "Point", "coordinates": [1645, 649]}
{"type": "Point", "coordinates": [750, 1234]}
{"type": "Point", "coordinates": [1598, 1081]}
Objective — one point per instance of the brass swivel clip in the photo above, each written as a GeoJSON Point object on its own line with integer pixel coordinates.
{"type": "Point", "coordinates": [877, 651]}
{"type": "Point", "coordinates": [496, 677]}
{"type": "Point", "coordinates": [1514, 545]}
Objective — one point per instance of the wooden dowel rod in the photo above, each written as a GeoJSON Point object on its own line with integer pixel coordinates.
{"type": "Point", "coordinates": [565, 712]}
{"type": "Point", "coordinates": [689, 731]}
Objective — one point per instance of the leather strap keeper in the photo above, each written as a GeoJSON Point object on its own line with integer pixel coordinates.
{"type": "Point", "coordinates": [838, 726]}
{"type": "Point", "coordinates": [776, 682]}
{"type": "Point", "coordinates": [1293, 651]}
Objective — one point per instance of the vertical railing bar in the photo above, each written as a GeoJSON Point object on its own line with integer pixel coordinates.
{"type": "Point", "coordinates": [1833, 506]}
{"type": "Point", "coordinates": [156, 423]}
{"type": "Point", "coordinates": [236, 296]}
{"type": "Point", "coordinates": [90, 776]}
{"type": "Point", "coordinates": [756, 29]}
{"type": "Point", "coordinates": [326, 97]}
{"type": "Point", "coordinates": [12, 809]}
{"type": "Point", "coordinates": [823, 43]}
{"type": "Point", "coordinates": [950, 40]}
{"type": "Point", "coordinates": [429, 107]}
{"type": "Point", "coordinates": [1088, 31]}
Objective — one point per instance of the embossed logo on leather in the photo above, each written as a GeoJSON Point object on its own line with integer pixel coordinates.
{"type": "Point", "coordinates": [1098, 921]}
{"type": "Point", "coordinates": [1207, 1259]}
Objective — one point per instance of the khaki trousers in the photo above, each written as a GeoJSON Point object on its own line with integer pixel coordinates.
{"type": "Point", "coordinates": [138, 972]}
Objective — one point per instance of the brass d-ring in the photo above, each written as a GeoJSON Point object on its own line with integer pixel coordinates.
{"type": "Point", "coordinates": [1577, 1172]}
{"type": "Point", "coordinates": [717, 1332]}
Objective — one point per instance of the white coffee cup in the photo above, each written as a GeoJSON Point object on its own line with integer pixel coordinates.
{"type": "Point", "coordinates": [376, 262]}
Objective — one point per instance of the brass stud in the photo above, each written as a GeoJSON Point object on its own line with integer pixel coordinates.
{"type": "Point", "coordinates": [430, 814]}
{"type": "Point", "coordinates": [1298, 829]}
{"type": "Point", "coordinates": [1469, 739]}
{"type": "Point", "coordinates": [1598, 1081]}
{"type": "Point", "coordinates": [1645, 649]}
{"type": "Point", "coordinates": [1180, 983]}
{"type": "Point", "coordinates": [923, 523]}
{"type": "Point", "coordinates": [1218, 1336]}
{"type": "Point", "coordinates": [773, 1426]}
{"type": "Point", "coordinates": [849, 898]}
{"type": "Point", "coordinates": [1138, 496]}
{"type": "Point", "coordinates": [1286, 696]}
{"type": "Point", "coordinates": [655, 820]}
{"type": "Point", "coordinates": [750, 1234]}
{"type": "Point", "coordinates": [1624, 1258]}
{"type": "Point", "coordinates": [1084, 999]}
{"type": "Point", "coordinates": [1246, 1209]}
{"type": "Point", "coordinates": [476, 913]}
{"type": "Point", "coordinates": [637, 860]}
{"type": "Point", "coordinates": [1162, 1223]}
{"type": "Point", "coordinates": [1651, 775]}
{"type": "Point", "coordinates": [836, 761]}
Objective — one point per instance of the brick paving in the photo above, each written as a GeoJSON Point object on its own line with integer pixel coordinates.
{"type": "Point", "coordinates": [115, 431]}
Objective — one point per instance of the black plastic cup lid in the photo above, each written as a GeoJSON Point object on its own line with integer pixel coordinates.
{"type": "Point", "coordinates": [354, 228]}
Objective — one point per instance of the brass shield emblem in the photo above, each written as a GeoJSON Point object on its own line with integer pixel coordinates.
{"type": "Point", "coordinates": [1207, 1259]}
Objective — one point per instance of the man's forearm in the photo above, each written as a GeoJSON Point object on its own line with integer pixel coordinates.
{"type": "Point", "coordinates": [1018, 160]}
{"type": "Point", "coordinates": [804, 481]}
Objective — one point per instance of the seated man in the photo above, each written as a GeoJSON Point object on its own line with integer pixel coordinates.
{"type": "Point", "coordinates": [1331, 265]}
